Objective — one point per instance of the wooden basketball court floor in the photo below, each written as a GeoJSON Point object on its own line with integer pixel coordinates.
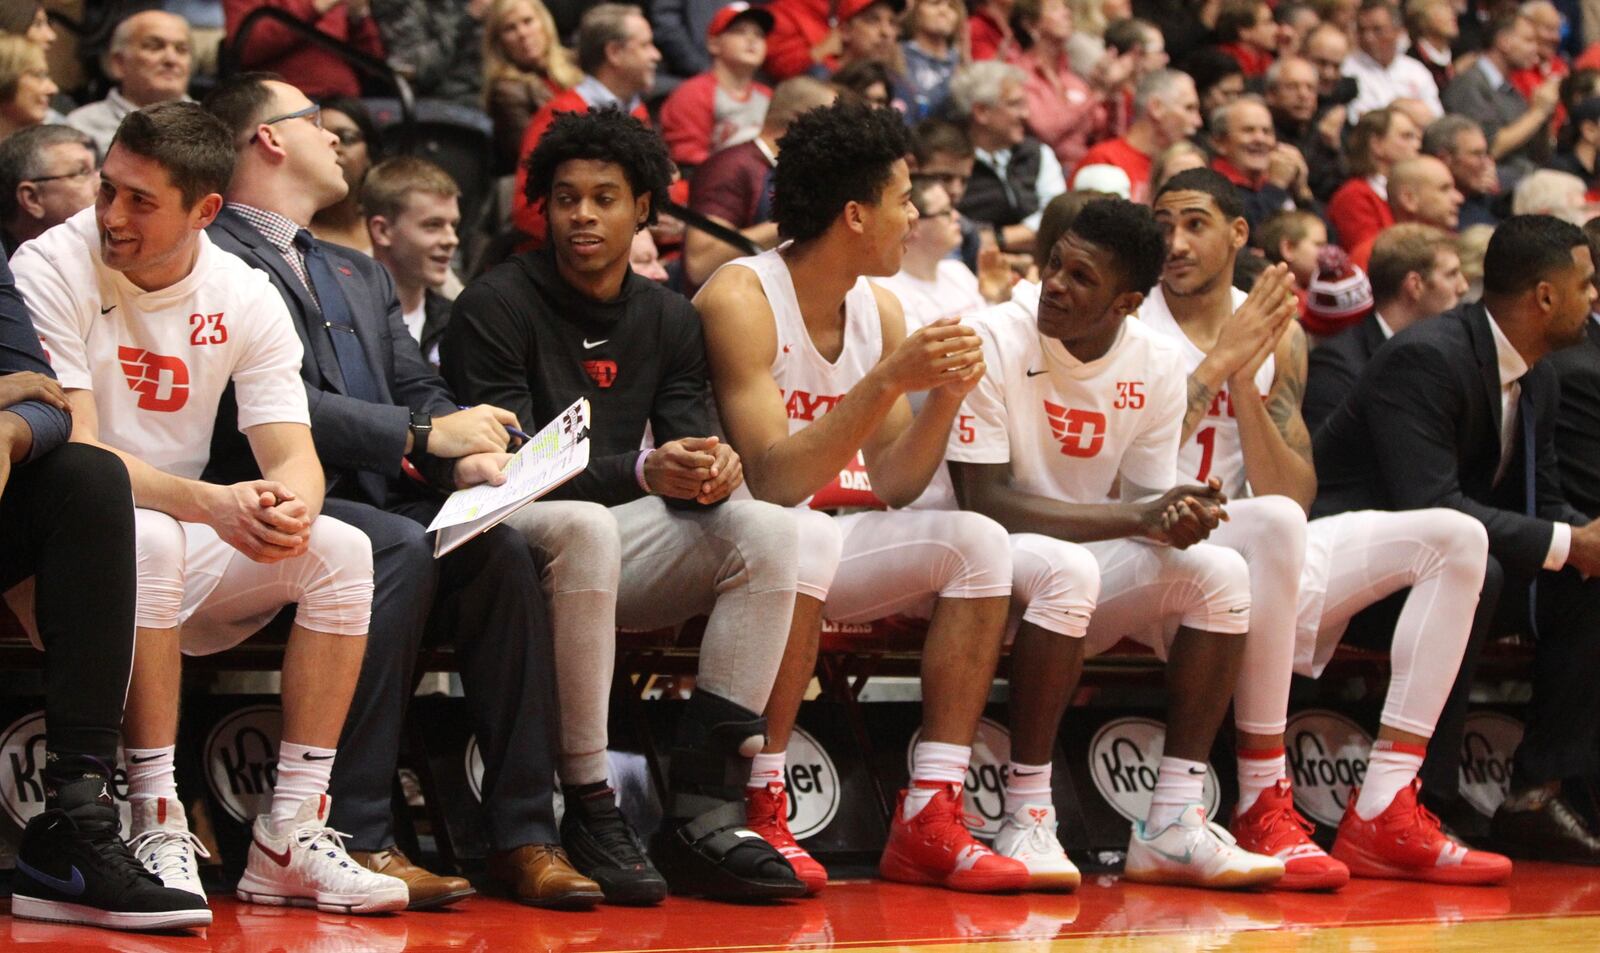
{"type": "Point", "coordinates": [1544, 908]}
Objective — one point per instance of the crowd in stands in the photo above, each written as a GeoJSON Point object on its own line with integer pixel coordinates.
{"type": "Point", "coordinates": [1352, 228]}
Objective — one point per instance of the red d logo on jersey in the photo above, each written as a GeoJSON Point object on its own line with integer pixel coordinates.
{"type": "Point", "coordinates": [603, 373]}
{"type": "Point", "coordinates": [161, 382]}
{"type": "Point", "coordinates": [1082, 432]}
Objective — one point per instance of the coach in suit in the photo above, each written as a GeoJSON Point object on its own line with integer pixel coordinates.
{"type": "Point", "coordinates": [1578, 420]}
{"type": "Point", "coordinates": [1460, 411]}
{"type": "Point", "coordinates": [393, 440]}
{"type": "Point", "coordinates": [1416, 274]}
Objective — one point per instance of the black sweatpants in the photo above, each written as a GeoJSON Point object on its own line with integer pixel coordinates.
{"type": "Point", "coordinates": [66, 519]}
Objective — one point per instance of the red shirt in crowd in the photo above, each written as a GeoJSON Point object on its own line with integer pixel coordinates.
{"type": "Point", "coordinates": [1357, 212]}
{"type": "Point", "coordinates": [689, 117]}
{"type": "Point", "coordinates": [1119, 153]}
{"type": "Point", "coordinates": [798, 25]}
{"type": "Point", "coordinates": [1252, 62]}
{"type": "Point", "coordinates": [273, 47]}
{"type": "Point", "coordinates": [991, 38]}
{"type": "Point", "coordinates": [1064, 113]}
{"type": "Point", "coordinates": [529, 217]}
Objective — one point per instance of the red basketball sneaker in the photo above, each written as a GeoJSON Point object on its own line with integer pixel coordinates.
{"type": "Point", "coordinates": [1405, 843]}
{"type": "Point", "coordinates": [935, 847]}
{"type": "Point", "coordinates": [1273, 827]}
{"type": "Point", "coordinates": [767, 812]}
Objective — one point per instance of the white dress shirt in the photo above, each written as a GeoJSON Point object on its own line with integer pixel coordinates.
{"type": "Point", "coordinates": [1377, 85]}
{"type": "Point", "coordinates": [1512, 367]}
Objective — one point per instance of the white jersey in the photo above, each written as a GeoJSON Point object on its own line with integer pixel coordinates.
{"type": "Point", "coordinates": [811, 384]}
{"type": "Point", "coordinates": [158, 362]}
{"type": "Point", "coordinates": [1071, 430]}
{"type": "Point", "coordinates": [953, 293]}
{"type": "Point", "coordinates": [1214, 449]}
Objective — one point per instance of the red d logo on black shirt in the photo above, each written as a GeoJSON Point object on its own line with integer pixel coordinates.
{"type": "Point", "coordinates": [603, 373]}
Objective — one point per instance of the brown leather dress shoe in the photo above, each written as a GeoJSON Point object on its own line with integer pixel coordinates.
{"type": "Point", "coordinates": [540, 875]}
{"type": "Point", "coordinates": [428, 889]}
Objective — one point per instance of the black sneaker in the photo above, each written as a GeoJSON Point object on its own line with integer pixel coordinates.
{"type": "Point", "coordinates": [73, 867]}
{"type": "Point", "coordinates": [604, 848]}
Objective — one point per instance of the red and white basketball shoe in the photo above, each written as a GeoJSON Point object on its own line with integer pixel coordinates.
{"type": "Point", "coordinates": [935, 847]}
{"type": "Point", "coordinates": [767, 813]}
{"type": "Point", "coordinates": [1405, 843]}
{"type": "Point", "coordinates": [1273, 827]}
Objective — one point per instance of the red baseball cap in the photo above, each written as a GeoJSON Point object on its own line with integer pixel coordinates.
{"type": "Point", "coordinates": [850, 8]}
{"type": "Point", "coordinates": [736, 11]}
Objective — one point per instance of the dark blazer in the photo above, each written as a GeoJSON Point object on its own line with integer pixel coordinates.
{"type": "Point", "coordinates": [1422, 428]}
{"type": "Point", "coordinates": [20, 350]}
{"type": "Point", "coordinates": [360, 443]}
{"type": "Point", "coordinates": [1334, 366]}
{"type": "Point", "coordinates": [1578, 421]}
{"type": "Point", "coordinates": [435, 318]}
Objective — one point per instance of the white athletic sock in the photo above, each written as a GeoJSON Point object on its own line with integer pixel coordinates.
{"type": "Point", "coordinates": [766, 769]}
{"type": "Point", "coordinates": [303, 772]}
{"type": "Point", "coordinates": [1390, 767]}
{"type": "Point", "coordinates": [937, 764]}
{"type": "Point", "coordinates": [1259, 769]}
{"type": "Point", "coordinates": [1179, 783]}
{"type": "Point", "coordinates": [1027, 784]}
{"type": "Point", "coordinates": [150, 773]}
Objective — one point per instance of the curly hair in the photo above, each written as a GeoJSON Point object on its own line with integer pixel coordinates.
{"type": "Point", "coordinates": [832, 156]}
{"type": "Point", "coordinates": [1127, 231]}
{"type": "Point", "coordinates": [604, 135]}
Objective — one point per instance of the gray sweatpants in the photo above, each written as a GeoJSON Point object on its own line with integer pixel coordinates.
{"type": "Point", "coordinates": [643, 565]}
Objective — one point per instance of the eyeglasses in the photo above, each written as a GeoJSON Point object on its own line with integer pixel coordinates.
{"type": "Point", "coordinates": [350, 136]}
{"type": "Point", "coordinates": [312, 112]}
{"type": "Point", "coordinates": [65, 175]}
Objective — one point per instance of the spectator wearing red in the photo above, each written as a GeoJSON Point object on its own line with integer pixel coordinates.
{"type": "Point", "coordinates": [1247, 32]}
{"type": "Point", "coordinates": [275, 48]}
{"type": "Point", "coordinates": [1340, 294]}
{"type": "Point", "coordinates": [1270, 177]}
{"type": "Point", "coordinates": [1421, 190]}
{"type": "Point", "coordinates": [618, 56]}
{"type": "Point", "coordinates": [1359, 209]}
{"type": "Point", "coordinates": [804, 38]}
{"type": "Point", "coordinates": [734, 186]}
{"type": "Point", "coordinates": [1546, 20]}
{"type": "Point", "coordinates": [723, 106]}
{"type": "Point", "coordinates": [1166, 110]}
{"type": "Point", "coordinates": [1065, 112]}
{"type": "Point", "coordinates": [989, 27]}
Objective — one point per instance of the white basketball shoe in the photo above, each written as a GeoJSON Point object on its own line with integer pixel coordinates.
{"type": "Point", "coordinates": [1029, 835]}
{"type": "Point", "coordinates": [1194, 852]}
{"type": "Point", "coordinates": [161, 841]}
{"type": "Point", "coordinates": [302, 862]}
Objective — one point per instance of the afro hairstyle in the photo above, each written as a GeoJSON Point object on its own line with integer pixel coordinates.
{"type": "Point", "coordinates": [1129, 233]}
{"type": "Point", "coordinates": [604, 135]}
{"type": "Point", "coordinates": [832, 156]}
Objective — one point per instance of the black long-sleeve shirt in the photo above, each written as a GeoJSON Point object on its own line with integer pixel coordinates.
{"type": "Point", "coordinates": [20, 351]}
{"type": "Point", "coordinates": [522, 338]}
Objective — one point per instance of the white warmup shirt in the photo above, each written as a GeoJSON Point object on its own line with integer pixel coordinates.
{"type": "Point", "coordinates": [158, 362]}
{"type": "Point", "coordinates": [953, 293]}
{"type": "Point", "coordinates": [1214, 449]}
{"type": "Point", "coordinates": [1070, 429]}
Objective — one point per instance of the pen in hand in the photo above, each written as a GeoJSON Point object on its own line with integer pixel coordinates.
{"type": "Point", "coordinates": [509, 429]}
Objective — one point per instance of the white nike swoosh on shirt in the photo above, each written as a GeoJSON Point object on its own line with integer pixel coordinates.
{"type": "Point", "coordinates": [587, 345]}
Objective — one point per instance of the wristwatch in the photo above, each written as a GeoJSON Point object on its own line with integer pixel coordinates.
{"type": "Point", "coordinates": [421, 426]}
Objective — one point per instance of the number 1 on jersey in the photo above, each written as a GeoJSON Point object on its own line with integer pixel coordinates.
{"type": "Point", "coordinates": [1207, 439]}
